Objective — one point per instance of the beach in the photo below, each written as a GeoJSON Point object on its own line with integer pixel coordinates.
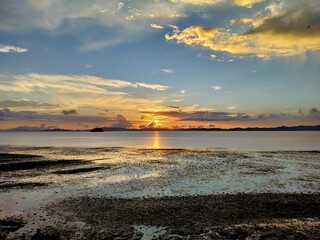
{"type": "Point", "coordinates": [147, 193]}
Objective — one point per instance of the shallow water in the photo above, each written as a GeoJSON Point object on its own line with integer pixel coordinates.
{"type": "Point", "coordinates": [252, 141]}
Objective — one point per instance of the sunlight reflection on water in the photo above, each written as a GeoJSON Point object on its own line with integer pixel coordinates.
{"type": "Point", "coordinates": [156, 140]}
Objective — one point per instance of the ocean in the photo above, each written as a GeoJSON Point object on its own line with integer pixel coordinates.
{"type": "Point", "coordinates": [242, 140]}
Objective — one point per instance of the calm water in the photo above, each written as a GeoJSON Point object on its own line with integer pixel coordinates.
{"type": "Point", "coordinates": [230, 140]}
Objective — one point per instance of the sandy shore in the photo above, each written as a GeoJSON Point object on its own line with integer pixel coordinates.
{"type": "Point", "coordinates": [114, 193]}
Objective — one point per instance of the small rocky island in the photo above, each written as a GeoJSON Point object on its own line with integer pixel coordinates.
{"type": "Point", "coordinates": [96, 130]}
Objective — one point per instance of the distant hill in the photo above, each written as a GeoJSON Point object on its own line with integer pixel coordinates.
{"type": "Point", "coordinates": [108, 129]}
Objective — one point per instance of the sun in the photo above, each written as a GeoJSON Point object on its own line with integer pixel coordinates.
{"type": "Point", "coordinates": [156, 121]}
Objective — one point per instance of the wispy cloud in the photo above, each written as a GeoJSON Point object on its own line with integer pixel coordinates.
{"type": "Point", "coordinates": [153, 86]}
{"type": "Point", "coordinates": [167, 70]}
{"type": "Point", "coordinates": [26, 104]}
{"type": "Point", "coordinates": [126, 19]}
{"type": "Point", "coordinates": [69, 84]}
{"type": "Point", "coordinates": [11, 49]}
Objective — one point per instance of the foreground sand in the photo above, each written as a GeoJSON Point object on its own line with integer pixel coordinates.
{"type": "Point", "coordinates": [238, 216]}
{"type": "Point", "coordinates": [49, 193]}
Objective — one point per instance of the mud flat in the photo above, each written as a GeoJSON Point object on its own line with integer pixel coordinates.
{"type": "Point", "coordinates": [124, 193]}
{"type": "Point", "coordinates": [236, 216]}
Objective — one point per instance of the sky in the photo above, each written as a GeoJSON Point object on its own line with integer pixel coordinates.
{"type": "Point", "coordinates": [80, 64]}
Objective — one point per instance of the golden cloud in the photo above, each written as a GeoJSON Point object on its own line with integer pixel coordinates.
{"type": "Point", "coordinates": [287, 35]}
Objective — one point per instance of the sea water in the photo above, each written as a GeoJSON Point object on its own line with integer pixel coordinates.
{"type": "Point", "coordinates": [242, 140]}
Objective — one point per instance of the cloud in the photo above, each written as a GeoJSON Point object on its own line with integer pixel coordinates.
{"type": "Point", "coordinates": [183, 114]}
{"type": "Point", "coordinates": [126, 19]}
{"type": "Point", "coordinates": [314, 113]}
{"type": "Point", "coordinates": [153, 124]}
{"type": "Point", "coordinates": [173, 26]}
{"type": "Point", "coordinates": [27, 104]}
{"type": "Point", "coordinates": [241, 21]}
{"type": "Point", "coordinates": [213, 56]}
{"type": "Point", "coordinates": [174, 114]}
{"type": "Point", "coordinates": [69, 112]}
{"type": "Point", "coordinates": [156, 26]}
{"type": "Point", "coordinates": [167, 70]}
{"type": "Point", "coordinates": [277, 36]}
{"type": "Point", "coordinates": [71, 84]}
{"type": "Point", "coordinates": [198, 2]}
{"type": "Point", "coordinates": [9, 115]}
{"type": "Point", "coordinates": [40, 127]}
{"type": "Point", "coordinates": [122, 122]}
{"type": "Point", "coordinates": [216, 87]}
{"type": "Point", "coordinates": [173, 107]}
{"type": "Point", "coordinates": [231, 107]}
{"type": "Point", "coordinates": [87, 65]}
{"type": "Point", "coordinates": [246, 3]}
{"type": "Point", "coordinates": [11, 49]}
{"type": "Point", "coordinates": [4, 112]}
{"type": "Point", "coordinates": [153, 86]}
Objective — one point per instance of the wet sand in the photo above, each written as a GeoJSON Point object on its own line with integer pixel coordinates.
{"type": "Point", "coordinates": [235, 216]}
{"type": "Point", "coordinates": [56, 193]}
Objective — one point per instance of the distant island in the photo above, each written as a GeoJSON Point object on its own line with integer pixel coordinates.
{"type": "Point", "coordinates": [97, 130]}
{"type": "Point", "coordinates": [108, 129]}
